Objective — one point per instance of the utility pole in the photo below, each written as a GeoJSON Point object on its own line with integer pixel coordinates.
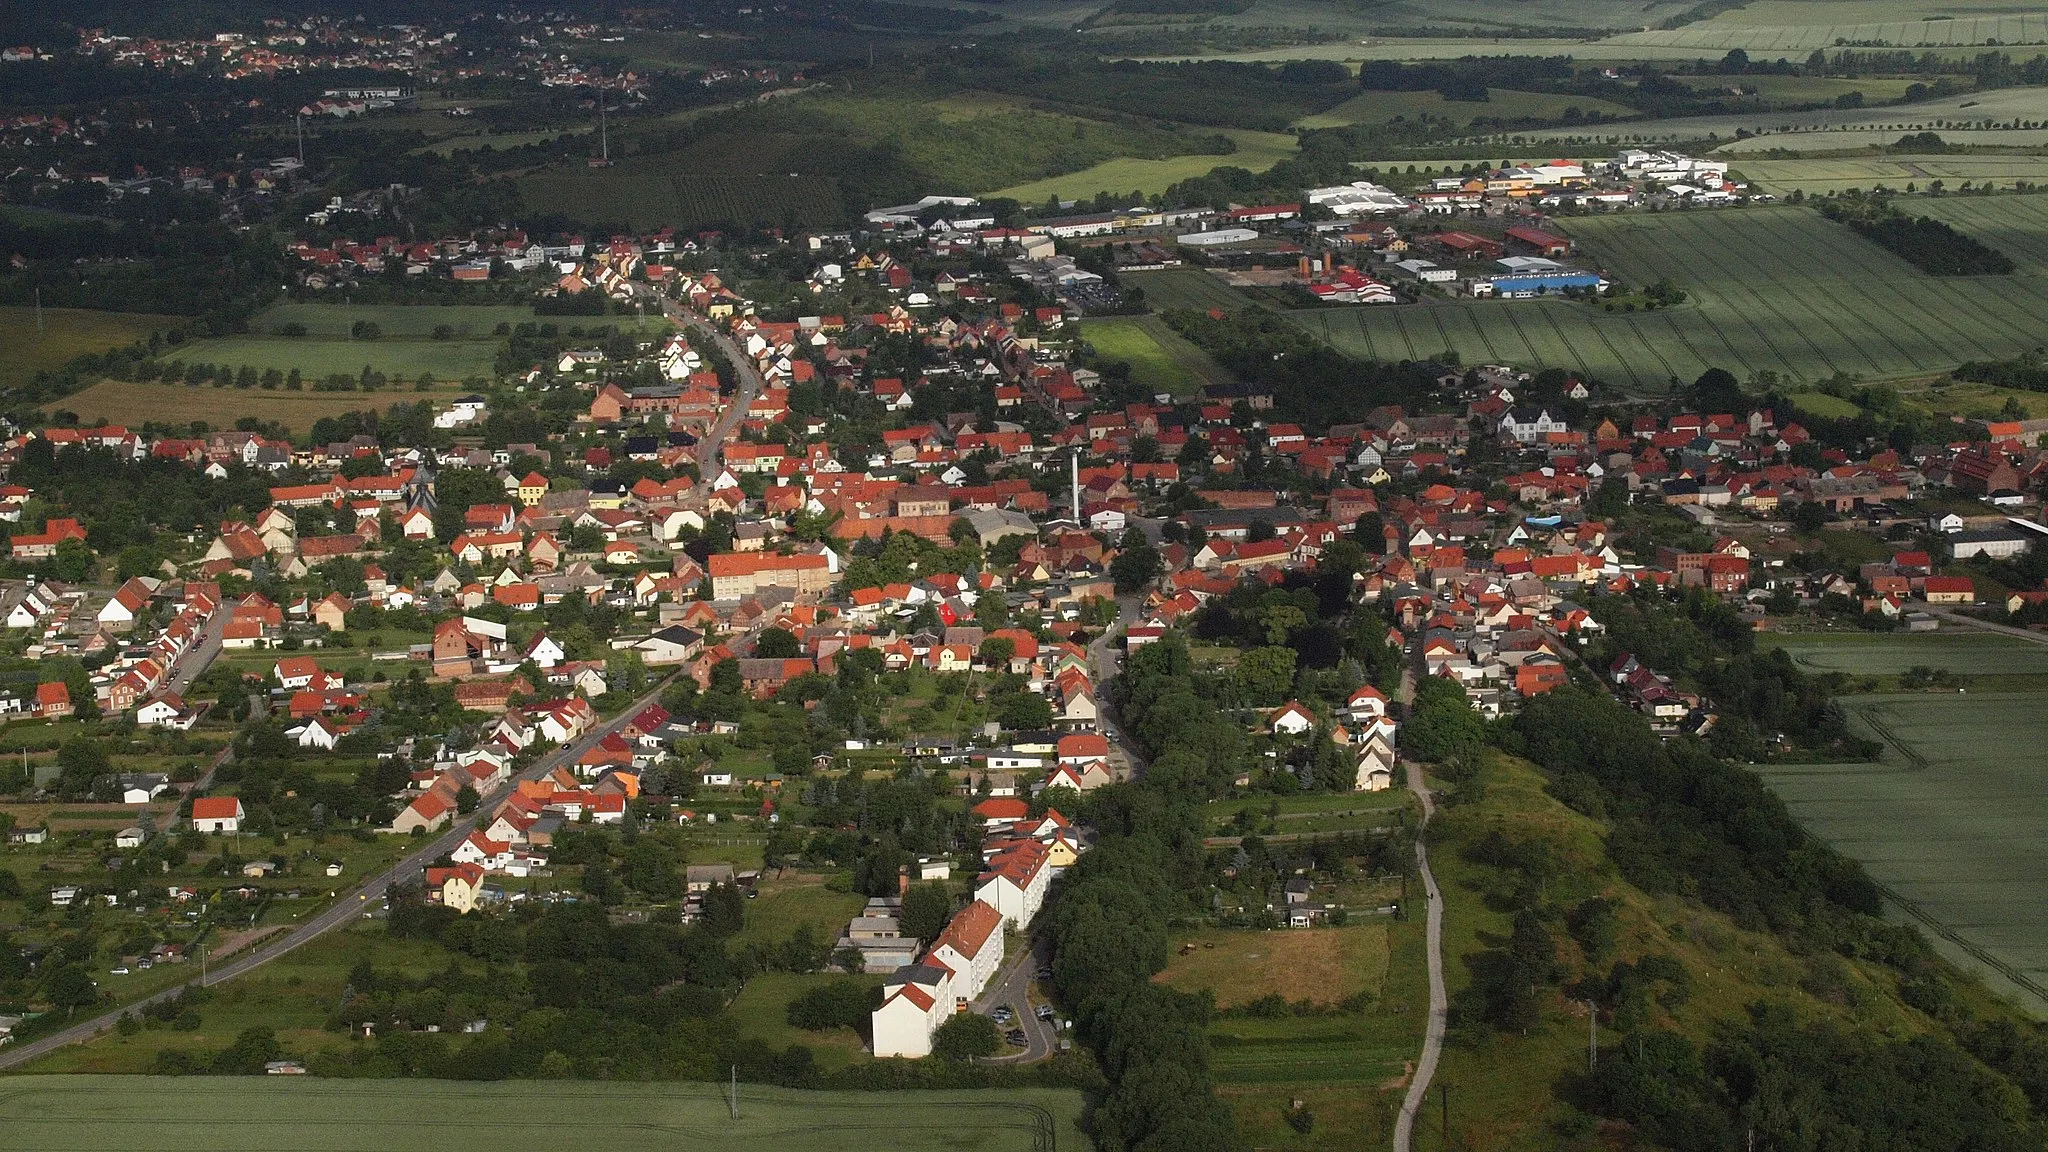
{"type": "Point", "coordinates": [1592, 1037]}
{"type": "Point", "coordinates": [1443, 1099]}
{"type": "Point", "coordinates": [299, 120]}
{"type": "Point", "coordinates": [39, 332]}
{"type": "Point", "coordinates": [733, 1100]}
{"type": "Point", "coordinates": [604, 137]}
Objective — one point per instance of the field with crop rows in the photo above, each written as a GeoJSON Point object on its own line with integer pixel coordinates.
{"type": "Point", "coordinates": [1822, 175]}
{"type": "Point", "coordinates": [1256, 152]}
{"type": "Point", "coordinates": [1797, 40]}
{"type": "Point", "coordinates": [1186, 288]}
{"type": "Point", "coordinates": [89, 1113]}
{"type": "Point", "coordinates": [2015, 225]}
{"type": "Point", "coordinates": [659, 191]}
{"type": "Point", "coordinates": [1870, 654]}
{"type": "Point", "coordinates": [2001, 108]}
{"type": "Point", "coordinates": [1950, 821]}
{"type": "Point", "coordinates": [1783, 289]}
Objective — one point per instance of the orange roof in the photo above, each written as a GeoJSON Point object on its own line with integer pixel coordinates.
{"type": "Point", "coordinates": [970, 928]}
{"type": "Point", "coordinates": [216, 808]}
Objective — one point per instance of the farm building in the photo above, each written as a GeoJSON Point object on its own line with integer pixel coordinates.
{"type": "Point", "coordinates": [1990, 543]}
{"type": "Point", "coordinates": [1540, 242]}
{"type": "Point", "coordinates": [1467, 246]}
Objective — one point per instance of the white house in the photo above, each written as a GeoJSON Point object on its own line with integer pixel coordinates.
{"type": "Point", "coordinates": [1015, 882]}
{"type": "Point", "coordinates": [919, 997]}
{"type": "Point", "coordinates": [217, 814]}
{"type": "Point", "coordinates": [1291, 719]}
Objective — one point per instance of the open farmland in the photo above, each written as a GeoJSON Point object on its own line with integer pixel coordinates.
{"type": "Point", "coordinates": [673, 190]}
{"type": "Point", "coordinates": [61, 1114]}
{"type": "Point", "coordinates": [1969, 653]}
{"type": "Point", "coordinates": [1950, 822]}
{"type": "Point", "coordinates": [1823, 175]}
{"type": "Point", "coordinates": [1186, 288]}
{"type": "Point", "coordinates": [1256, 152]}
{"type": "Point", "coordinates": [2004, 107]}
{"type": "Point", "coordinates": [66, 333]}
{"type": "Point", "coordinates": [131, 402]}
{"type": "Point", "coordinates": [2015, 225]}
{"type": "Point", "coordinates": [1161, 359]}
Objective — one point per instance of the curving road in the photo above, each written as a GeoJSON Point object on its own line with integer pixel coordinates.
{"type": "Point", "coordinates": [344, 909]}
{"type": "Point", "coordinates": [711, 449]}
{"type": "Point", "coordinates": [1439, 999]}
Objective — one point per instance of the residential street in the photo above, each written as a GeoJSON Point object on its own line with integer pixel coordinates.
{"type": "Point", "coordinates": [344, 909]}
{"type": "Point", "coordinates": [711, 449]}
{"type": "Point", "coordinates": [1013, 987]}
{"type": "Point", "coordinates": [1439, 999]}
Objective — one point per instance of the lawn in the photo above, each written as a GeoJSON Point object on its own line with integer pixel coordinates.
{"type": "Point", "coordinates": [1824, 406]}
{"type": "Point", "coordinates": [1321, 965]}
{"type": "Point", "coordinates": [1161, 359]}
{"type": "Point", "coordinates": [1949, 821]}
{"type": "Point", "coordinates": [1256, 152]}
{"type": "Point", "coordinates": [799, 899]}
{"type": "Point", "coordinates": [762, 1011]}
{"type": "Point", "coordinates": [66, 334]}
{"type": "Point", "coordinates": [144, 1115]}
{"type": "Point", "coordinates": [129, 402]}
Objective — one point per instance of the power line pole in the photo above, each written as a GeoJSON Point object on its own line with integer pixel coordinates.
{"type": "Point", "coordinates": [1443, 1099]}
{"type": "Point", "coordinates": [299, 121]}
{"type": "Point", "coordinates": [39, 332]}
{"type": "Point", "coordinates": [733, 1100]}
{"type": "Point", "coordinates": [1592, 1037]}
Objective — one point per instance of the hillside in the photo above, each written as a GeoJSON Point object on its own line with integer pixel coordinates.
{"type": "Point", "coordinates": [1688, 976]}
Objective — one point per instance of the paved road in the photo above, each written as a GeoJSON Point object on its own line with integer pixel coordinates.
{"type": "Point", "coordinates": [1953, 617]}
{"type": "Point", "coordinates": [1105, 660]}
{"type": "Point", "coordinates": [1439, 999]}
{"type": "Point", "coordinates": [1012, 986]}
{"type": "Point", "coordinates": [711, 449]}
{"type": "Point", "coordinates": [344, 910]}
{"type": "Point", "coordinates": [200, 657]}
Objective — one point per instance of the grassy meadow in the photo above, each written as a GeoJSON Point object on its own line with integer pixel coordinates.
{"type": "Point", "coordinates": [1161, 359]}
{"type": "Point", "coordinates": [1319, 965]}
{"type": "Point", "coordinates": [66, 334]}
{"type": "Point", "coordinates": [1256, 152]}
{"type": "Point", "coordinates": [144, 1115]}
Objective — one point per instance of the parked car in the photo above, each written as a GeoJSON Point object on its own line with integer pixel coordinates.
{"type": "Point", "coordinates": [1016, 1037]}
{"type": "Point", "coordinates": [1045, 1011]}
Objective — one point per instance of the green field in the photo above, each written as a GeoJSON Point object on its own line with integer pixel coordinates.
{"type": "Point", "coordinates": [1822, 175]}
{"type": "Point", "coordinates": [1256, 152]}
{"type": "Point", "coordinates": [406, 347]}
{"type": "Point", "coordinates": [1772, 289]}
{"type": "Point", "coordinates": [60, 1114]}
{"type": "Point", "coordinates": [1161, 359]}
{"type": "Point", "coordinates": [1799, 26]}
{"type": "Point", "coordinates": [66, 333]}
{"type": "Point", "coordinates": [1995, 109]}
{"type": "Point", "coordinates": [657, 191]}
{"type": "Point", "coordinates": [2015, 225]}
{"type": "Point", "coordinates": [1950, 821]}
{"type": "Point", "coordinates": [1186, 288]}
{"type": "Point", "coordinates": [1966, 652]}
